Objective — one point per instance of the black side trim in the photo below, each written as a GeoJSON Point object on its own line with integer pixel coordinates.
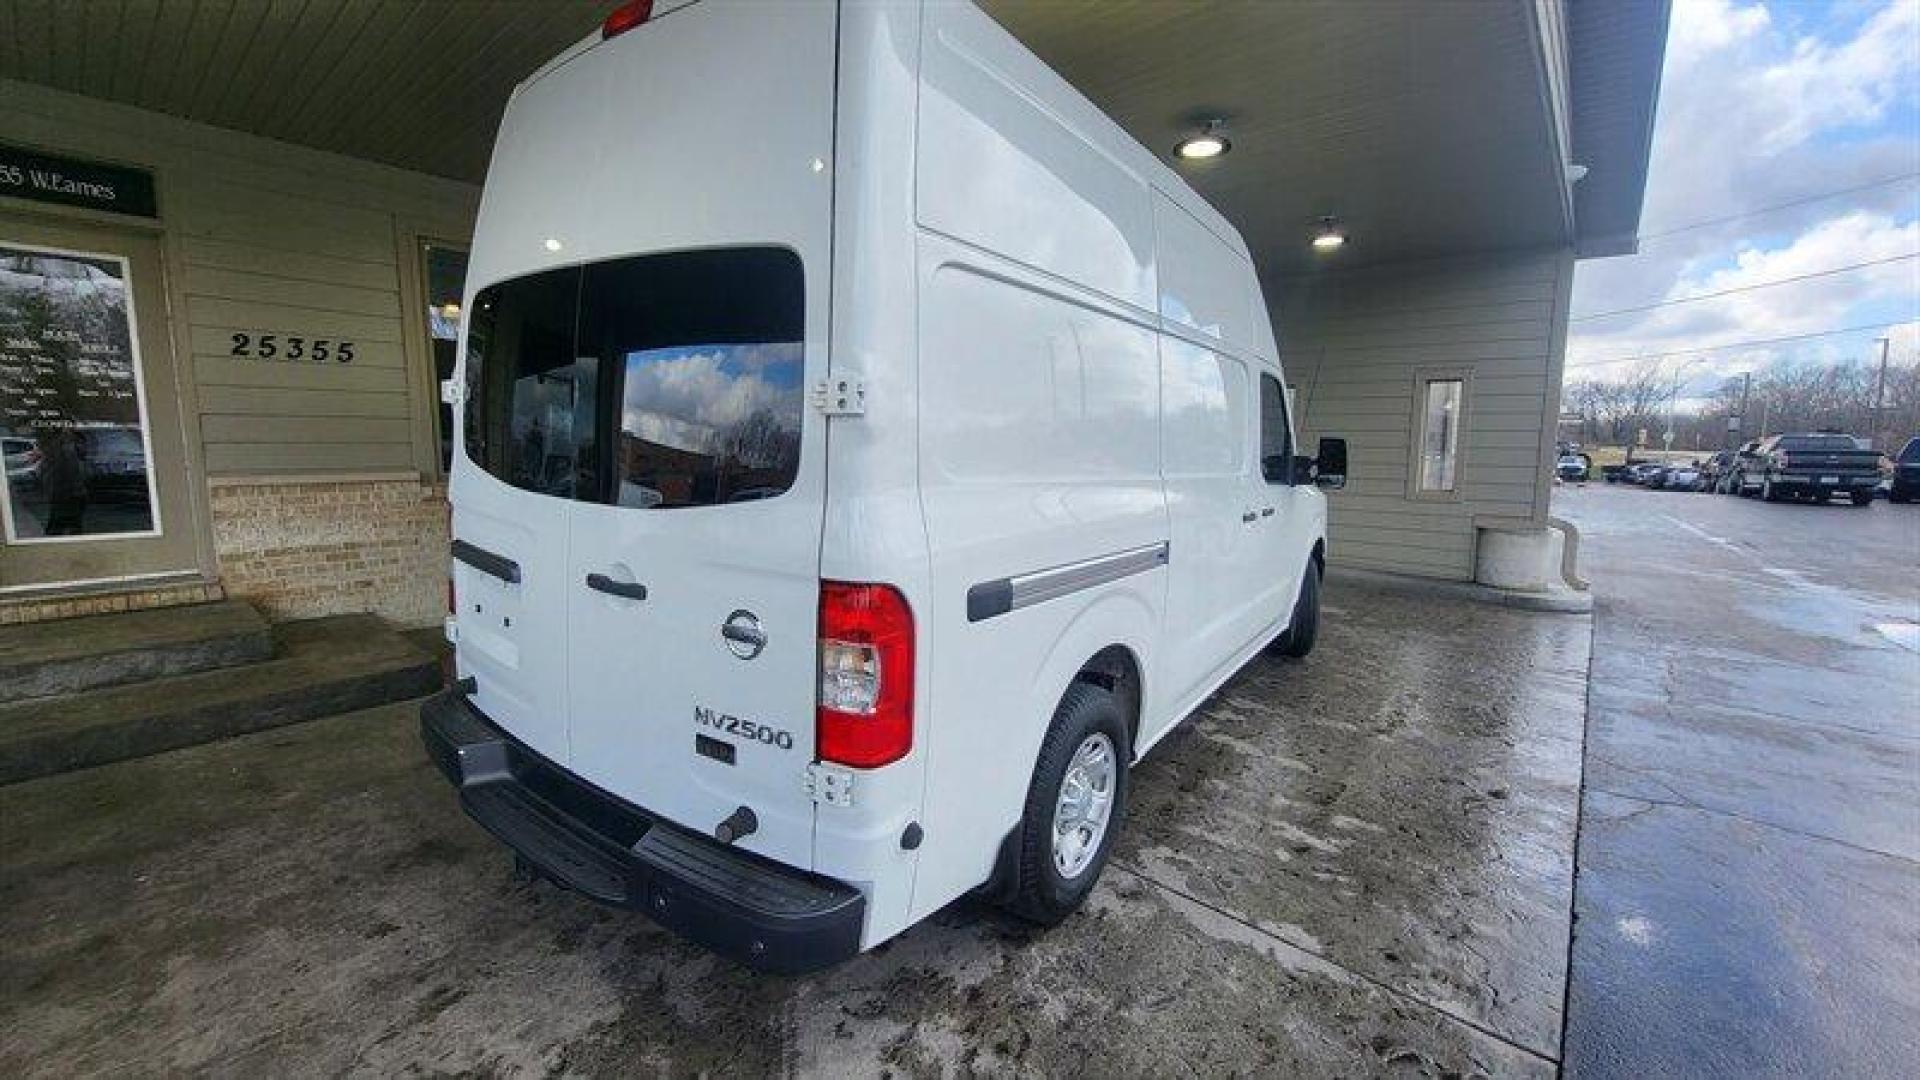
{"type": "Point", "coordinates": [989, 598]}
{"type": "Point", "coordinates": [487, 562]}
{"type": "Point", "coordinates": [992, 598]}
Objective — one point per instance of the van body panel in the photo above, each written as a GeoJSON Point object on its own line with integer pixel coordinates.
{"type": "Point", "coordinates": [1006, 170]}
{"type": "Point", "coordinates": [874, 530]}
{"type": "Point", "coordinates": [1206, 423]}
{"type": "Point", "coordinates": [513, 639]}
{"type": "Point", "coordinates": [1039, 448]}
{"type": "Point", "coordinates": [1205, 286]}
{"type": "Point", "coordinates": [578, 180]}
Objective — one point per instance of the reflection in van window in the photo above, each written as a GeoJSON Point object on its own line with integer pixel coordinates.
{"type": "Point", "coordinates": [653, 382]}
{"type": "Point", "coordinates": [1204, 403]}
{"type": "Point", "coordinates": [708, 424]}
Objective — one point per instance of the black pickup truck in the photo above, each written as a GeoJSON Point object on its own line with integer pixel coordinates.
{"type": "Point", "coordinates": [1906, 473]}
{"type": "Point", "coordinates": [1816, 466]}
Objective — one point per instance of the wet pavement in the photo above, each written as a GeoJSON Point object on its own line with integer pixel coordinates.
{"type": "Point", "coordinates": [1359, 865]}
{"type": "Point", "coordinates": [1748, 897]}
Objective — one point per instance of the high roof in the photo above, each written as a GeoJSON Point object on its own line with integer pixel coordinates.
{"type": "Point", "coordinates": [1426, 128]}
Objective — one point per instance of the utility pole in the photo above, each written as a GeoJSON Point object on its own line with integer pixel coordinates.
{"type": "Point", "coordinates": [1746, 390]}
{"type": "Point", "coordinates": [1880, 395]}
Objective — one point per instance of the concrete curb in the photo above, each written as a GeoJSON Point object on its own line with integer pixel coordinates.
{"type": "Point", "coordinates": [1551, 601]}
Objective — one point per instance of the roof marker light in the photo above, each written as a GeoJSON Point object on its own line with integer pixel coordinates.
{"type": "Point", "coordinates": [626, 17]}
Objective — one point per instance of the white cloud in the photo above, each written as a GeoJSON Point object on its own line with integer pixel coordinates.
{"type": "Point", "coordinates": [1754, 114]}
{"type": "Point", "coordinates": [1823, 86]}
{"type": "Point", "coordinates": [1703, 26]}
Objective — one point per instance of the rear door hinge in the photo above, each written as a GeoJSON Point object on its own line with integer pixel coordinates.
{"type": "Point", "coordinates": [840, 397]}
{"type": "Point", "coordinates": [828, 784]}
{"type": "Point", "coordinates": [451, 392]}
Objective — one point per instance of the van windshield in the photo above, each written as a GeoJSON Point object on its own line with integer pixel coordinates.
{"type": "Point", "coordinates": [652, 382]}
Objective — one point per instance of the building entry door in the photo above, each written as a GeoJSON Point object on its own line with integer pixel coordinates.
{"type": "Point", "coordinates": [95, 488]}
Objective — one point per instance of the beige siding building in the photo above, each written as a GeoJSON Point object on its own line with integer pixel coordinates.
{"type": "Point", "coordinates": [1375, 355]}
{"type": "Point", "coordinates": [309, 483]}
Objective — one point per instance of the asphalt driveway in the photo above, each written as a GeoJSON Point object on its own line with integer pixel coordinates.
{"type": "Point", "coordinates": [1359, 865]}
{"type": "Point", "coordinates": [1749, 885]}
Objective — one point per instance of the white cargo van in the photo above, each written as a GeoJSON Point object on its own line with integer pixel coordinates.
{"type": "Point", "coordinates": [868, 452]}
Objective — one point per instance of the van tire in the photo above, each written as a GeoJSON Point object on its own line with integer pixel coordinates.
{"type": "Point", "coordinates": [1304, 628]}
{"type": "Point", "coordinates": [1045, 896]}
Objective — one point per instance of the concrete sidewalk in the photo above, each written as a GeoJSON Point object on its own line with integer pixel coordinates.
{"type": "Point", "coordinates": [1358, 865]}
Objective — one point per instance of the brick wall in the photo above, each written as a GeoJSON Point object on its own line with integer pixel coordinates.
{"type": "Point", "coordinates": [299, 549]}
{"type": "Point", "coordinates": [105, 600]}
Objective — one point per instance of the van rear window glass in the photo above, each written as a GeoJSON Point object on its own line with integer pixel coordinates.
{"type": "Point", "coordinates": [653, 382]}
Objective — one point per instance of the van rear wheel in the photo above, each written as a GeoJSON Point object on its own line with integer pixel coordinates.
{"type": "Point", "coordinates": [1304, 628]}
{"type": "Point", "coordinates": [1074, 805]}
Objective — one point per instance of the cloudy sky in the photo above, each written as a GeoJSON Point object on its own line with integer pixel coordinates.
{"type": "Point", "coordinates": [1812, 108]}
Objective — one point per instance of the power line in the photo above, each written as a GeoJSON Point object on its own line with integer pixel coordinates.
{"type": "Point", "coordinates": [1822, 197]}
{"type": "Point", "coordinates": [1746, 288]}
{"type": "Point", "coordinates": [1739, 344]}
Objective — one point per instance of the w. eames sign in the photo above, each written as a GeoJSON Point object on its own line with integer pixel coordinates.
{"type": "Point", "coordinates": [29, 174]}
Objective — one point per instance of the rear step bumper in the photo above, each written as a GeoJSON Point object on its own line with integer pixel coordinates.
{"type": "Point", "coordinates": [765, 915]}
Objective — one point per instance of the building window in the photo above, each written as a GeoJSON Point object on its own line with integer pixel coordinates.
{"type": "Point", "coordinates": [1441, 404]}
{"type": "Point", "coordinates": [446, 273]}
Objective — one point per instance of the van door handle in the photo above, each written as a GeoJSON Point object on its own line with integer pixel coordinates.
{"type": "Point", "coordinates": [1249, 518]}
{"type": "Point", "coordinates": [632, 590]}
{"type": "Point", "coordinates": [745, 635]}
{"type": "Point", "coordinates": [1266, 511]}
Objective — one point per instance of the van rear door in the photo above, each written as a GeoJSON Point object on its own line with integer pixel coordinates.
{"type": "Point", "coordinates": [676, 178]}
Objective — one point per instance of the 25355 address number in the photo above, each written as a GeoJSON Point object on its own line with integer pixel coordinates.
{"type": "Point", "coordinates": [291, 348]}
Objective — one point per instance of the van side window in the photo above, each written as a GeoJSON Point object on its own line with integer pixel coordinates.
{"type": "Point", "coordinates": [654, 382]}
{"type": "Point", "coordinates": [1276, 438]}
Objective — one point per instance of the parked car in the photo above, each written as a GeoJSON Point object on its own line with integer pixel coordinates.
{"type": "Point", "coordinates": [1905, 483]}
{"type": "Point", "coordinates": [1677, 478]}
{"type": "Point", "coordinates": [1572, 468]}
{"type": "Point", "coordinates": [1613, 474]}
{"type": "Point", "coordinates": [1816, 465]}
{"type": "Point", "coordinates": [791, 726]}
{"type": "Point", "coordinates": [1643, 471]}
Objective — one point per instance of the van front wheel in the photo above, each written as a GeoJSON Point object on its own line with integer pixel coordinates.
{"type": "Point", "coordinates": [1074, 805]}
{"type": "Point", "coordinates": [1304, 628]}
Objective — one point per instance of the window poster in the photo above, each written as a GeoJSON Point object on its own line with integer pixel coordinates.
{"type": "Point", "coordinates": [72, 418]}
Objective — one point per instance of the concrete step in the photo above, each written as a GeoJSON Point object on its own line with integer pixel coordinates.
{"type": "Point", "coordinates": [321, 667]}
{"type": "Point", "coordinates": [68, 656]}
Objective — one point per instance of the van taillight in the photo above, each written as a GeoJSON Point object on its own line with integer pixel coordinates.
{"type": "Point", "coordinates": [626, 17]}
{"type": "Point", "coordinates": [865, 716]}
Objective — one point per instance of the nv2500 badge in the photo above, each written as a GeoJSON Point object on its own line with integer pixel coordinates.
{"type": "Point", "coordinates": [745, 729]}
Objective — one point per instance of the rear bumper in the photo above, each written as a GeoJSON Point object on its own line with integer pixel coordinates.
{"type": "Point", "coordinates": [768, 916]}
{"type": "Point", "coordinates": [1815, 482]}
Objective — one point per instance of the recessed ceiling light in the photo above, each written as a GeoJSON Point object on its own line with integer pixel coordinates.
{"type": "Point", "coordinates": [1211, 142]}
{"type": "Point", "coordinates": [551, 244]}
{"type": "Point", "coordinates": [1329, 236]}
